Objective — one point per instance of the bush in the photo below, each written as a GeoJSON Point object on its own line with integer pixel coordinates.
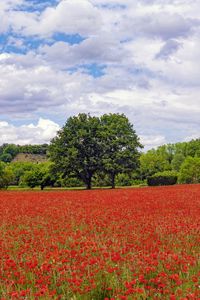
{"type": "Point", "coordinates": [163, 178]}
{"type": "Point", "coordinates": [123, 179]}
{"type": "Point", "coordinates": [19, 168]}
{"type": "Point", "coordinates": [71, 182]}
{"type": "Point", "coordinates": [101, 179]}
{"type": "Point", "coordinates": [31, 178]}
{"type": "Point", "coordinates": [39, 175]}
{"type": "Point", "coordinates": [139, 182]}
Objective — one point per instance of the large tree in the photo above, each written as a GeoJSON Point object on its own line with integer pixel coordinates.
{"type": "Point", "coordinates": [89, 144]}
{"type": "Point", "coordinates": [120, 145]}
{"type": "Point", "coordinates": [77, 148]}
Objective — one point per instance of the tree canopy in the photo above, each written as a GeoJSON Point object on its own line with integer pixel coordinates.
{"type": "Point", "coordinates": [87, 144]}
{"type": "Point", "coordinates": [76, 150]}
{"type": "Point", "coordinates": [120, 145]}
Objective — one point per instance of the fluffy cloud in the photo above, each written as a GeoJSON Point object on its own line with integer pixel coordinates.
{"type": "Point", "coordinates": [138, 57]}
{"type": "Point", "coordinates": [100, 50]}
{"type": "Point", "coordinates": [160, 25]}
{"type": "Point", "coordinates": [68, 16]}
{"type": "Point", "coordinates": [42, 132]}
{"type": "Point", "coordinates": [151, 141]}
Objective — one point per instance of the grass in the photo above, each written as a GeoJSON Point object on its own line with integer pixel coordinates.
{"type": "Point", "coordinates": [19, 188]}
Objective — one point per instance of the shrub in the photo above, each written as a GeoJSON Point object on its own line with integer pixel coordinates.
{"type": "Point", "coordinates": [139, 182]}
{"type": "Point", "coordinates": [101, 179]}
{"type": "Point", "coordinates": [163, 178]}
{"type": "Point", "coordinates": [123, 180]}
{"type": "Point", "coordinates": [71, 182]}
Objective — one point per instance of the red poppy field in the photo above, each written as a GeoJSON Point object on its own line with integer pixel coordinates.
{"type": "Point", "coordinates": [139, 243]}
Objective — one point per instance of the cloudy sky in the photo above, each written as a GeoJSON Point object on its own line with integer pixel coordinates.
{"type": "Point", "coordinates": [62, 57]}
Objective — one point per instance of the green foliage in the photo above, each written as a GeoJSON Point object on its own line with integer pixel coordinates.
{"type": "Point", "coordinates": [152, 162]}
{"type": "Point", "coordinates": [177, 161]}
{"type": "Point", "coordinates": [18, 169]}
{"type": "Point", "coordinates": [71, 182]}
{"type": "Point", "coordinates": [167, 152]}
{"type": "Point", "coordinates": [9, 151]}
{"type": "Point", "coordinates": [6, 157]}
{"type": "Point", "coordinates": [120, 145]}
{"type": "Point", "coordinates": [163, 178]}
{"type": "Point", "coordinates": [101, 179]}
{"type": "Point", "coordinates": [99, 151]}
{"type": "Point", "coordinates": [139, 182]}
{"type": "Point", "coordinates": [6, 175]}
{"type": "Point", "coordinates": [190, 170]}
{"type": "Point", "coordinates": [123, 179]}
{"type": "Point", "coordinates": [167, 157]}
{"type": "Point", "coordinates": [34, 149]}
{"type": "Point", "coordinates": [191, 148]}
{"type": "Point", "coordinates": [47, 178]}
{"type": "Point", "coordinates": [30, 178]}
{"type": "Point", "coordinates": [88, 144]}
{"type": "Point", "coordinates": [39, 175]}
{"type": "Point", "coordinates": [76, 150]}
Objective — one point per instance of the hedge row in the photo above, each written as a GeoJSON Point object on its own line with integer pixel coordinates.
{"type": "Point", "coordinates": [163, 178]}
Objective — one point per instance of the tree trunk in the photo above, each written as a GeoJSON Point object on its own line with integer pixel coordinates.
{"type": "Point", "coordinates": [113, 180]}
{"type": "Point", "coordinates": [89, 182]}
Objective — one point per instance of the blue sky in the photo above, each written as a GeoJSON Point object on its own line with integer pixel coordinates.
{"type": "Point", "coordinates": [62, 57]}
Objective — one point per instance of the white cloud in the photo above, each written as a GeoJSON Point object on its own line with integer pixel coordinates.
{"type": "Point", "coordinates": [151, 141]}
{"type": "Point", "coordinates": [192, 136]}
{"type": "Point", "coordinates": [150, 50]}
{"type": "Point", "coordinates": [42, 132]}
{"type": "Point", "coordinates": [100, 50]}
{"type": "Point", "coordinates": [77, 16]}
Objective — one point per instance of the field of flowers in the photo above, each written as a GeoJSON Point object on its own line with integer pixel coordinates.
{"type": "Point", "coordinates": [139, 243]}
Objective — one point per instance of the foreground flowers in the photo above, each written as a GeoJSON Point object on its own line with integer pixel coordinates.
{"type": "Point", "coordinates": [123, 244]}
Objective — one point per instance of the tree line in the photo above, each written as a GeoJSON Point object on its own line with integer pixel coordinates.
{"type": "Point", "coordinates": [181, 160]}
{"type": "Point", "coordinates": [101, 151]}
{"type": "Point", "coordinates": [9, 151]}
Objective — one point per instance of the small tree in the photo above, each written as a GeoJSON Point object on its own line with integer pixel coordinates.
{"type": "Point", "coordinates": [6, 175]}
{"type": "Point", "coordinates": [19, 168]}
{"type": "Point", "coordinates": [39, 175]}
{"type": "Point", "coordinates": [31, 178]}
